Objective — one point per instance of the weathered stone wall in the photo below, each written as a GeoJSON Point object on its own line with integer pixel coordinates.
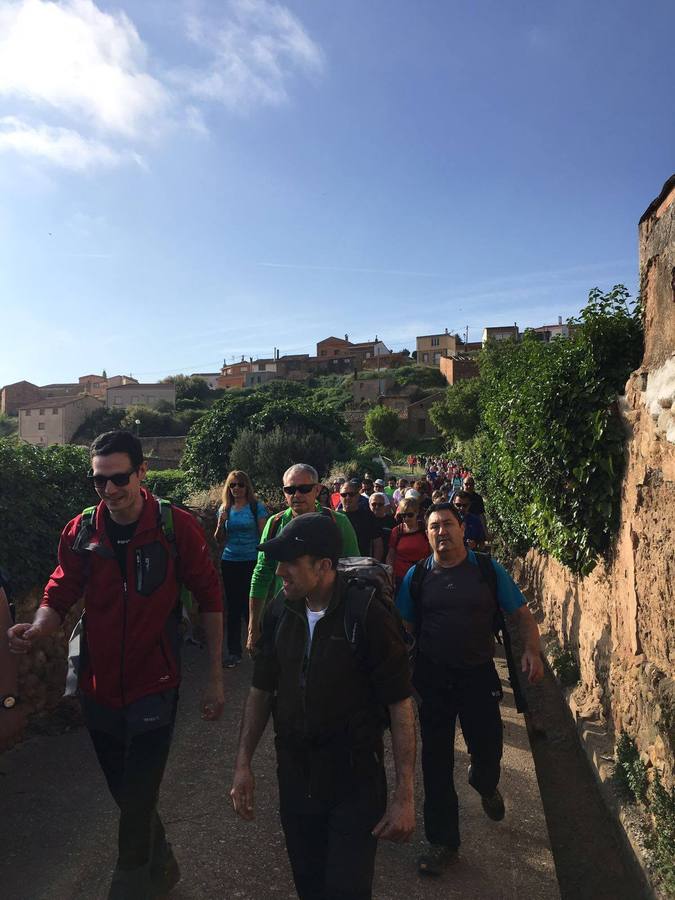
{"type": "Point", "coordinates": [620, 620]}
{"type": "Point", "coordinates": [163, 452]}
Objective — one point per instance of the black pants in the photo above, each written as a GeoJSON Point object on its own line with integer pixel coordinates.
{"type": "Point", "coordinates": [237, 584]}
{"type": "Point", "coordinates": [331, 848]}
{"type": "Point", "coordinates": [473, 695]}
{"type": "Point", "coordinates": [133, 761]}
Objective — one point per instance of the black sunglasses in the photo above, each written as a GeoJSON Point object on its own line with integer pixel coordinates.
{"type": "Point", "coordinates": [407, 515]}
{"type": "Point", "coordinates": [290, 489]}
{"type": "Point", "coordinates": [348, 494]}
{"type": "Point", "coordinates": [237, 484]}
{"type": "Point", "coordinates": [119, 479]}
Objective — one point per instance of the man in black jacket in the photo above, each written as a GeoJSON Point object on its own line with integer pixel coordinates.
{"type": "Point", "coordinates": [329, 716]}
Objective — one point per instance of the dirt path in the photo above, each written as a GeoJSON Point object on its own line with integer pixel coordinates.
{"type": "Point", "coordinates": [58, 823]}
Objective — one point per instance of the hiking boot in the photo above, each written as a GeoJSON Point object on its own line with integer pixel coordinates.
{"type": "Point", "coordinates": [131, 884]}
{"type": "Point", "coordinates": [231, 661]}
{"type": "Point", "coordinates": [166, 876]}
{"type": "Point", "coordinates": [494, 806]}
{"type": "Point", "coordinates": [436, 860]}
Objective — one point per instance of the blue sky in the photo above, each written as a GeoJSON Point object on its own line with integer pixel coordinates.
{"type": "Point", "coordinates": [183, 181]}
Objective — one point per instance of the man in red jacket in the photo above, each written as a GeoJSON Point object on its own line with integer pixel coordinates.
{"type": "Point", "coordinates": [130, 569]}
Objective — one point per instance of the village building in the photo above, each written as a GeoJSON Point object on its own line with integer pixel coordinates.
{"type": "Point", "coordinates": [432, 347]}
{"type": "Point", "coordinates": [458, 367]}
{"type": "Point", "coordinates": [20, 393]}
{"type": "Point", "coordinates": [140, 395]}
{"type": "Point", "coordinates": [55, 420]}
{"type": "Point", "coordinates": [500, 333]}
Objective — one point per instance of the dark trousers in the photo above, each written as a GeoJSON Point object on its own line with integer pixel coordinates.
{"type": "Point", "coordinates": [133, 762]}
{"type": "Point", "coordinates": [473, 695]}
{"type": "Point", "coordinates": [331, 849]}
{"type": "Point", "coordinates": [237, 584]}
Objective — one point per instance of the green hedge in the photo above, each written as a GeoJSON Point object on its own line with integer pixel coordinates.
{"type": "Point", "coordinates": [167, 483]}
{"type": "Point", "coordinates": [40, 490]}
{"type": "Point", "coordinates": [550, 451]}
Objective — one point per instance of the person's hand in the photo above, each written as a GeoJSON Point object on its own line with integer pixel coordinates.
{"type": "Point", "coordinates": [251, 640]}
{"type": "Point", "coordinates": [213, 701]}
{"type": "Point", "coordinates": [533, 664]}
{"type": "Point", "coordinates": [12, 723]}
{"type": "Point", "coordinates": [398, 822]}
{"type": "Point", "coordinates": [243, 787]}
{"type": "Point", "coordinates": [20, 637]}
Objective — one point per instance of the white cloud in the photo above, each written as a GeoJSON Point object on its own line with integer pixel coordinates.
{"type": "Point", "coordinates": [255, 49]}
{"type": "Point", "coordinates": [85, 63]}
{"type": "Point", "coordinates": [79, 91]}
{"type": "Point", "coordinates": [60, 146]}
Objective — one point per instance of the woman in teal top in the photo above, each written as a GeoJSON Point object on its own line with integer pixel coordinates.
{"type": "Point", "coordinates": [241, 519]}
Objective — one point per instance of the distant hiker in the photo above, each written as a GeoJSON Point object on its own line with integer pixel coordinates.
{"type": "Point", "coordinates": [450, 602]}
{"type": "Point", "coordinates": [363, 521]}
{"type": "Point", "coordinates": [241, 520]}
{"type": "Point", "coordinates": [331, 704]}
{"type": "Point", "coordinates": [383, 517]}
{"type": "Point", "coordinates": [301, 489]}
{"type": "Point", "coordinates": [475, 536]}
{"type": "Point", "coordinates": [477, 507]}
{"type": "Point", "coordinates": [408, 542]}
{"type": "Point", "coordinates": [129, 556]}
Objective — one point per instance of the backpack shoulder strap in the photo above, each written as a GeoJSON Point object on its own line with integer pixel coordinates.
{"type": "Point", "coordinates": [253, 506]}
{"type": "Point", "coordinates": [416, 582]}
{"type": "Point", "coordinates": [85, 529]}
{"type": "Point", "coordinates": [487, 571]}
{"type": "Point", "coordinates": [274, 526]}
{"type": "Point", "coordinates": [358, 598]}
{"type": "Point", "coordinates": [166, 524]}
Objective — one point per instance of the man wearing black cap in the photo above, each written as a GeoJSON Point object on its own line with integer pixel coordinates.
{"type": "Point", "coordinates": [330, 710]}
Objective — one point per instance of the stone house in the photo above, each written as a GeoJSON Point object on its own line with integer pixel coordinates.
{"type": "Point", "coordinates": [140, 395]}
{"type": "Point", "coordinates": [432, 347]}
{"type": "Point", "coordinates": [500, 333]}
{"type": "Point", "coordinates": [458, 367]}
{"type": "Point", "coordinates": [234, 376]}
{"type": "Point", "coordinates": [20, 393]}
{"type": "Point", "coordinates": [370, 389]}
{"type": "Point", "coordinates": [55, 420]}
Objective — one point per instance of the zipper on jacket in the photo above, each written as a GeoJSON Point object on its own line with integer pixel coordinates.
{"type": "Point", "coordinates": [125, 596]}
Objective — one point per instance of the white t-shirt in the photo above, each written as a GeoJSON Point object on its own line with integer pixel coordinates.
{"type": "Point", "coordinates": [312, 619]}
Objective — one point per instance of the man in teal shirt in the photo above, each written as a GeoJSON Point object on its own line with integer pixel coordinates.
{"type": "Point", "coordinates": [301, 488]}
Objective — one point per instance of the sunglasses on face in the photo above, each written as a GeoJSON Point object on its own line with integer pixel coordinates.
{"type": "Point", "coordinates": [377, 505]}
{"type": "Point", "coordinates": [119, 479]}
{"type": "Point", "coordinates": [461, 505]}
{"type": "Point", "coordinates": [407, 515]}
{"type": "Point", "coordinates": [291, 489]}
{"type": "Point", "coordinates": [234, 484]}
{"type": "Point", "coordinates": [348, 494]}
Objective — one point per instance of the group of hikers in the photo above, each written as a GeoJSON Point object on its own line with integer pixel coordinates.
{"type": "Point", "coordinates": [339, 649]}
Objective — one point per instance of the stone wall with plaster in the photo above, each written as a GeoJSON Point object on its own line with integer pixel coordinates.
{"type": "Point", "coordinates": [620, 621]}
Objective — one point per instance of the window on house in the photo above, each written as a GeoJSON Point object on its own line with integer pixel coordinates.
{"type": "Point", "coordinates": [27, 412]}
{"type": "Point", "coordinates": [42, 412]}
{"type": "Point", "coordinates": [55, 410]}
{"type": "Point", "coordinates": [435, 342]}
{"type": "Point", "coordinates": [425, 357]}
{"type": "Point", "coordinates": [41, 426]}
{"type": "Point", "coordinates": [421, 426]}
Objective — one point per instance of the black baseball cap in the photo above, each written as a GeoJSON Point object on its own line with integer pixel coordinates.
{"type": "Point", "coordinates": [313, 534]}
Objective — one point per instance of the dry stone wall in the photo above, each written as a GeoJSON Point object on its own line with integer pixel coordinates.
{"type": "Point", "coordinates": [620, 620]}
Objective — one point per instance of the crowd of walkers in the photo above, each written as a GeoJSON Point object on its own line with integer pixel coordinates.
{"type": "Point", "coordinates": [332, 654]}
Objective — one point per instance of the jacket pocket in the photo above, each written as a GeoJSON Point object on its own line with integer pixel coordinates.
{"type": "Point", "coordinates": [151, 568]}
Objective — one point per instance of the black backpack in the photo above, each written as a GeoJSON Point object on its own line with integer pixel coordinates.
{"type": "Point", "coordinates": [501, 631]}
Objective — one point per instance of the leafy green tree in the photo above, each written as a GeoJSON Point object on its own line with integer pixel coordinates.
{"type": "Point", "coordinates": [266, 455]}
{"type": "Point", "coordinates": [551, 447]}
{"type": "Point", "coordinates": [41, 488]}
{"type": "Point", "coordinates": [381, 425]}
{"type": "Point", "coordinates": [97, 422]}
{"type": "Point", "coordinates": [457, 414]}
{"type": "Point", "coordinates": [279, 403]}
{"type": "Point", "coordinates": [189, 387]}
{"type": "Point", "coordinates": [8, 425]}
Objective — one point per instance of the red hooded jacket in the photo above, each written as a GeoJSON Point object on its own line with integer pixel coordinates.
{"type": "Point", "coordinates": [132, 625]}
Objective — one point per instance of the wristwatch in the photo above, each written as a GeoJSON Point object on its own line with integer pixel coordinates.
{"type": "Point", "coordinates": [8, 701]}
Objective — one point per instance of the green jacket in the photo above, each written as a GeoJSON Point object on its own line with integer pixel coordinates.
{"type": "Point", "coordinates": [264, 582]}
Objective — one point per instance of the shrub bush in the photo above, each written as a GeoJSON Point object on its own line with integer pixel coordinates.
{"type": "Point", "coordinates": [381, 426]}
{"type": "Point", "coordinates": [551, 441]}
{"type": "Point", "coordinates": [284, 404]}
{"type": "Point", "coordinates": [41, 489]}
{"type": "Point", "coordinates": [265, 456]}
{"type": "Point", "coordinates": [167, 483]}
